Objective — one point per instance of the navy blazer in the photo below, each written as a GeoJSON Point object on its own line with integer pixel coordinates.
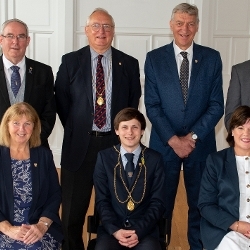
{"type": "Point", "coordinates": [46, 191]}
{"type": "Point", "coordinates": [164, 101]}
{"type": "Point", "coordinates": [39, 93]}
{"type": "Point", "coordinates": [74, 98]}
{"type": "Point", "coordinates": [219, 197]}
{"type": "Point", "coordinates": [145, 216]}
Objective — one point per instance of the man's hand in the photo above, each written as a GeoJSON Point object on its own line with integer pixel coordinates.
{"type": "Point", "coordinates": [127, 238]}
{"type": "Point", "coordinates": [183, 145]}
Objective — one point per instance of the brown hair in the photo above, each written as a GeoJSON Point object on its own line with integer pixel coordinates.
{"type": "Point", "coordinates": [16, 111]}
{"type": "Point", "coordinates": [128, 114]}
{"type": "Point", "coordinates": [239, 118]}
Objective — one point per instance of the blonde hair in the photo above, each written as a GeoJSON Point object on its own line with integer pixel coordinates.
{"type": "Point", "coordinates": [17, 111]}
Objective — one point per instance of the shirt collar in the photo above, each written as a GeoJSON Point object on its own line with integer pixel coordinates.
{"type": "Point", "coordinates": [106, 54]}
{"type": "Point", "coordinates": [136, 152]}
{"type": "Point", "coordinates": [177, 50]}
{"type": "Point", "coordinates": [8, 63]}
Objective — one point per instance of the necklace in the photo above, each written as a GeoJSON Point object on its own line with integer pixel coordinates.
{"type": "Point", "coordinates": [100, 99]}
{"type": "Point", "coordinates": [130, 201]}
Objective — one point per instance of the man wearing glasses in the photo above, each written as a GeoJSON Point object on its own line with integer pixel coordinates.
{"type": "Point", "coordinates": [93, 84]}
{"type": "Point", "coordinates": [23, 79]}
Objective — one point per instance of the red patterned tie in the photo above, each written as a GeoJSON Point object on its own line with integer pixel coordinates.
{"type": "Point", "coordinates": [100, 102]}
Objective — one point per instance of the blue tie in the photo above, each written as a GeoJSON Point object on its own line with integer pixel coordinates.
{"type": "Point", "coordinates": [129, 168]}
{"type": "Point", "coordinates": [15, 80]}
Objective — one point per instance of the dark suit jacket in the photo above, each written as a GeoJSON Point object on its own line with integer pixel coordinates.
{"type": "Point", "coordinates": [46, 191]}
{"type": "Point", "coordinates": [39, 93]}
{"type": "Point", "coordinates": [164, 101]}
{"type": "Point", "coordinates": [219, 197]}
{"type": "Point", "coordinates": [239, 89]}
{"type": "Point", "coordinates": [74, 98]}
{"type": "Point", "coordinates": [144, 217]}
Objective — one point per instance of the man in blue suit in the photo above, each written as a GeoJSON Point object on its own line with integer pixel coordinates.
{"type": "Point", "coordinates": [184, 117]}
{"type": "Point", "coordinates": [79, 100]}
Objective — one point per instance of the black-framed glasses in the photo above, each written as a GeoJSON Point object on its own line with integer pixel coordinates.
{"type": "Point", "coordinates": [20, 37]}
{"type": "Point", "coordinates": [97, 27]}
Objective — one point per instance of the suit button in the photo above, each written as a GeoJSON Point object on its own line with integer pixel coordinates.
{"type": "Point", "coordinates": [248, 216]}
{"type": "Point", "coordinates": [248, 185]}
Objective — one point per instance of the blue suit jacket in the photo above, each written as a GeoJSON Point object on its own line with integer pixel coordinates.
{"type": "Point", "coordinates": [219, 197]}
{"type": "Point", "coordinates": [74, 99]}
{"type": "Point", "coordinates": [46, 191]}
{"type": "Point", "coordinates": [164, 101]}
{"type": "Point", "coordinates": [145, 216]}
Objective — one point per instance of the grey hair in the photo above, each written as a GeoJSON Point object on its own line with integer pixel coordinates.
{"type": "Point", "coordinates": [15, 20]}
{"type": "Point", "coordinates": [100, 10]}
{"type": "Point", "coordinates": [186, 8]}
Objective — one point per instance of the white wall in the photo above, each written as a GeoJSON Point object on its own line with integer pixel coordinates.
{"type": "Point", "coordinates": [57, 27]}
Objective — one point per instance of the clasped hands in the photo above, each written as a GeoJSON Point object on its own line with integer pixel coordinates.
{"type": "Point", "coordinates": [182, 145]}
{"type": "Point", "coordinates": [29, 234]}
{"type": "Point", "coordinates": [127, 238]}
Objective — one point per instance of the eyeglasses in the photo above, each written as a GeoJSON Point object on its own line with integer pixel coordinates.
{"type": "Point", "coordinates": [11, 37]}
{"type": "Point", "coordinates": [97, 26]}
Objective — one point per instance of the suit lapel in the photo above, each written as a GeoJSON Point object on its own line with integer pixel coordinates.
{"type": "Point", "coordinates": [117, 69]}
{"type": "Point", "coordinates": [196, 64]}
{"type": "Point", "coordinates": [29, 79]}
{"type": "Point", "coordinates": [3, 86]}
{"type": "Point", "coordinates": [85, 67]}
{"type": "Point", "coordinates": [34, 163]}
{"type": "Point", "coordinates": [232, 169]}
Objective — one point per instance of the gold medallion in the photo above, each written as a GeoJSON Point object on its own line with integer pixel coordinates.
{"type": "Point", "coordinates": [130, 205]}
{"type": "Point", "coordinates": [100, 101]}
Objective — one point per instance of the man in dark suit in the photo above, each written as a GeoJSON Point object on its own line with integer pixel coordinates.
{"type": "Point", "coordinates": [36, 85]}
{"type": "Point", "coordinates": [129, 202]}
{"type": "Point", "coordinates": [86, 111]}
{"type": "Point", "coordinates": [239, 89]}
{"type": "Point", "coordinates": [184, 110]}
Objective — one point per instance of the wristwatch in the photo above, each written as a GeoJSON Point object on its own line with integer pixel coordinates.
{"type": "Point", "coordinates": [45, 223]}
{"type": "Point", "coordinates": [194, 136]}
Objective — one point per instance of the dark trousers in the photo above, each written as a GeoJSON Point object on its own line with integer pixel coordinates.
{"type": "Point", "coordinates": [109, 242]}
{"type": "Point", "coordinates": [192, 176]}
{"type": "Point", "coordinates": [76, 193]}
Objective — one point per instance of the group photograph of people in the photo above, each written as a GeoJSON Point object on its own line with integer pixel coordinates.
{"type": "Point", "coordinates": [105, 102]}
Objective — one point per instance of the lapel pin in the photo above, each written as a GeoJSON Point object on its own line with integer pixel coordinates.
{"type": "Point", "coordinates": [30, 70]}
{"type": "Point", "coordinates": [35, 164]}
{"type": "Point", "coordinates": [120, 63]}
{"type": "Point", "coordinates": [196, 61]}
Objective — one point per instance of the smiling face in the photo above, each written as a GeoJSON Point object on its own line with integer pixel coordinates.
{"type": "Point", "coordinates": [99, 40]}
{"type": "Point", "coordinates": [14, 49]}
{"type": "Point", "coordinates": [184, 28]}
{"type": "Point", "coordinates": [130, 134]}
{"type": "Point", "coordinates": [20, 130]}
{"type": "Point", "coordinates": [241, 136]}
